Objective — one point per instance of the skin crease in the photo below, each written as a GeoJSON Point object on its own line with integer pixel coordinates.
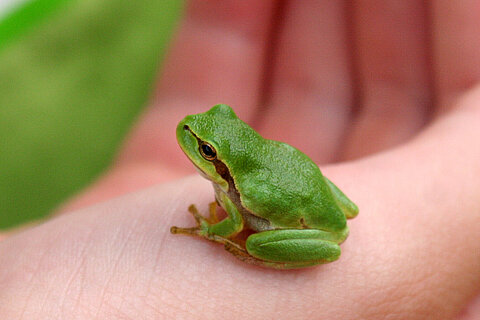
{"type": "Point", "coordinates": [413, 250]}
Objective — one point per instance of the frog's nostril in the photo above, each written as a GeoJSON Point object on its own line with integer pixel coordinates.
{"type": "Point", "coordinates": [185, 127]}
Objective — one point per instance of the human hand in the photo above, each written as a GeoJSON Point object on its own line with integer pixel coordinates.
{"type": "Point", "coordinates": [412, 252]}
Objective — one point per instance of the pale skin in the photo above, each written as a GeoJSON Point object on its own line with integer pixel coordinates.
{"type": "Point", "coordinates": [413, 251]}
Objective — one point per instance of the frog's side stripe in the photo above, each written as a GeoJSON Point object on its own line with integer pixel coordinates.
{"type": "Point", "coordinates": [253, 221]}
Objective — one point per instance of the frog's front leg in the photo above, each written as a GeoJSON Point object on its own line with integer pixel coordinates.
{"type": "Point", "coordinates": [294, 248]}
{"type": "Point", "coordinates": [211, 229]}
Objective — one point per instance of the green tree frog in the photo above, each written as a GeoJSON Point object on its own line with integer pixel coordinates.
{"type": "Point", "coordinates": [295, 216]}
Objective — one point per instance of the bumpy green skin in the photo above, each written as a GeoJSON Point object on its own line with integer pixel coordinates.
{"type": "Point", "coordinates": [303, 213]}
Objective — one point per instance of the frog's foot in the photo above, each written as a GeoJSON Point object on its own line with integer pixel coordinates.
{"type": "Point", "coordinates": [203, 224]}
{"type": "Point", "coordinates": [201, 228]}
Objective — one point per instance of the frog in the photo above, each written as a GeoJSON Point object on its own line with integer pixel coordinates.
{"type": "Point", "coordinates": [290, 215]}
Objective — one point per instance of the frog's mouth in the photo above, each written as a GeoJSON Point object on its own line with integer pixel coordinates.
{"type": "Point", "coordinates": [201, 172]}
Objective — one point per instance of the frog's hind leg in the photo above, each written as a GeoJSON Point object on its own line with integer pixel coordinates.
{"type": "Point", "coordinates": [349, 208]}
{"type": "Point", "coordinates": [288, 248]}
{"type": "Point", "coordinates": [294, 247]}
{"type": "Point", "coordinates": [242, 254]}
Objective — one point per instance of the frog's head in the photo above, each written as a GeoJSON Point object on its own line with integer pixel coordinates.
{"type": "Point", "coordinates": [212, 141]}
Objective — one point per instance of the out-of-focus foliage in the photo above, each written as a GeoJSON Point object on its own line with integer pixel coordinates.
{"type": "Point", "coordinates": [15, 22]}
{"type": "Point", "coordinates": [70, 87]}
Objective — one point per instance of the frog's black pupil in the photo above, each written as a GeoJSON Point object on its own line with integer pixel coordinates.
{"type": "Point", "coordinates": [208, 151]}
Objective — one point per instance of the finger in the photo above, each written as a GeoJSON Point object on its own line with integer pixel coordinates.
{"type": "Point", "coordinates": [393, 82]}
{"type": "Point", "coordinates": [217, 58]}
{"type": "Point", "coordinates": [310, 92]}
{"type": "Point", "coordinates": [472, 311]}
{"type": "Point", "coordinates": [12, 231]}
{"type": "Point", "coordinates": [219, 53]}
{"type": "Point", "coordinates": [431, 185]}
{"type": "Point", "coordinates": [456, 25]}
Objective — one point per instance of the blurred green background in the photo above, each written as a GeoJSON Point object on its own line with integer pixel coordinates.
{"type": "Point", "coordinates": [74, 74]}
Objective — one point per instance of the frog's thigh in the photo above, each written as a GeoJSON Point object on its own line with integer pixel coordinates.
{"type": "Point", "coordinates": [293, 245]}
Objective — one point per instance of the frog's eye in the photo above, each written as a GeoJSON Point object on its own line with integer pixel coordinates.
{"type": "Point", "coordinates": [207, 151]}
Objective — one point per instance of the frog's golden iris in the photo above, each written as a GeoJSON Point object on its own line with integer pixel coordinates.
{"type": "Point", "coordinates": [207, 151]}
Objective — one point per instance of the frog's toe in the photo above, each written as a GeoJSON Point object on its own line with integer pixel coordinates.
{"type": "Point", "coordinates": [189, 231]}
{"type": "Point", "coordinates": [200, 230]}
{"type": "Point", "coordinates": [195, 231]}
{"type": "Point", "coordinates": [201, 220]}
{"type": "Point", "coordinates": [212, 208]}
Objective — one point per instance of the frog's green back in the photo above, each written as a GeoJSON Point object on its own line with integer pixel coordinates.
{"type": "Point", "coordinates": [289, 190]}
